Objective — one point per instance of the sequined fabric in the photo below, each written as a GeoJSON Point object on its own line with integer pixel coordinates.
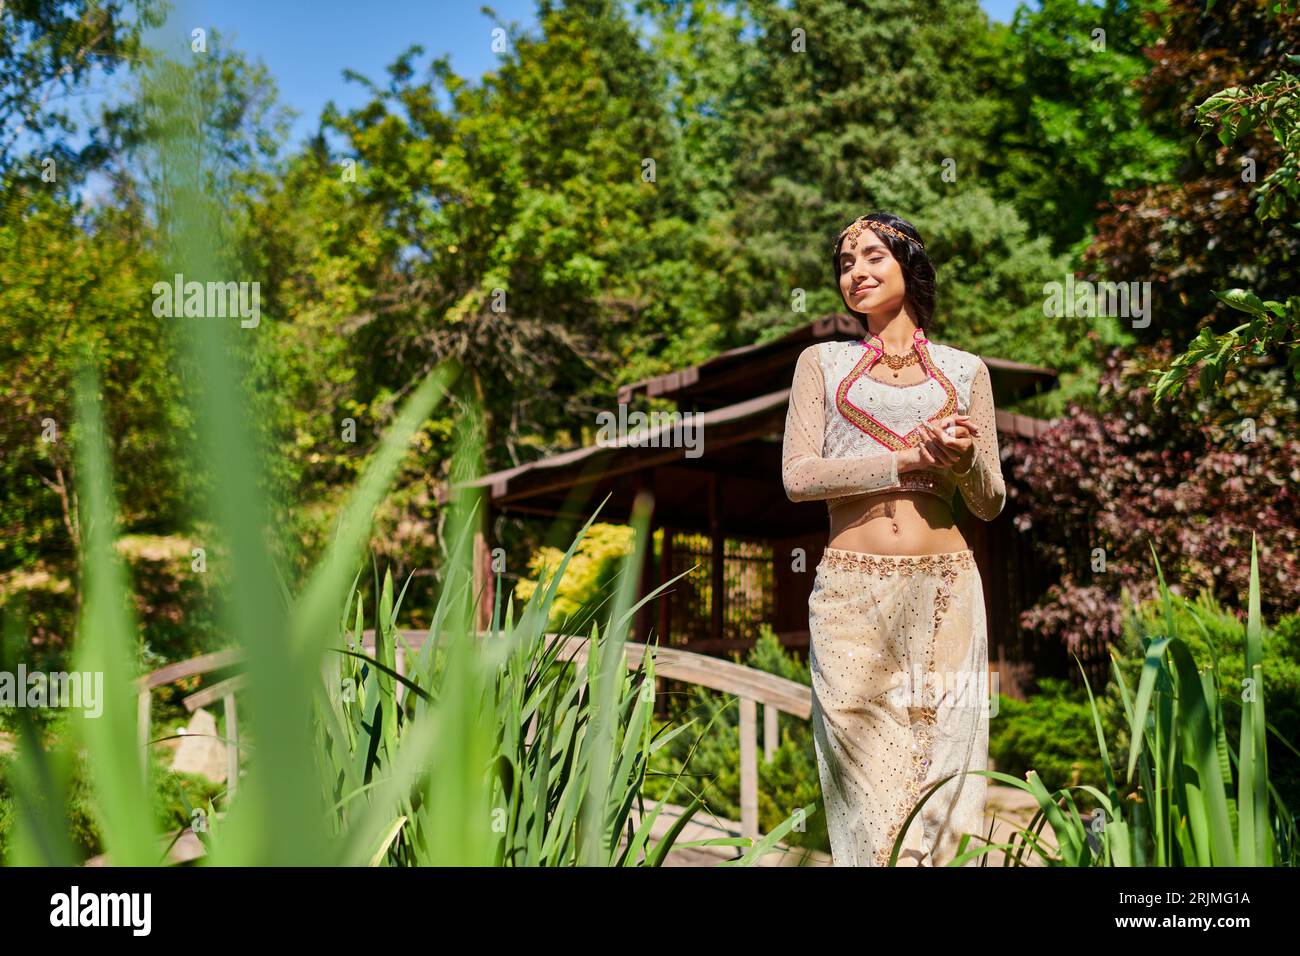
{"type": "Point", "coordinates": [899, 661]}
{"type": "Point", "coordinates": [827, 456]}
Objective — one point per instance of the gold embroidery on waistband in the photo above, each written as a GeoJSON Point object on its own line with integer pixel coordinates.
{"type": "Point", "coordinates": [887, 564]}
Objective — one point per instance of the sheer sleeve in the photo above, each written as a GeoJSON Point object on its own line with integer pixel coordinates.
{"type": "Point", "coordinates": [982, 485]}
{"type": "Point", "coordinates": [808, 476]}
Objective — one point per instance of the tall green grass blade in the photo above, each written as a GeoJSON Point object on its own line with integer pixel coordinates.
{"type": "Point", "coordinates": [1208, 809]}
{"type": "Point", "coordinates": [1252, 792]}
{"type": "Point", "coordinates": [106, 646]}
{"type": "Point", "coordinates": [608, 663]}
{"type": "Point", "coordinates": [764, 844]}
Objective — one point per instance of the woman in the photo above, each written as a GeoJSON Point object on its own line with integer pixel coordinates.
{"type": "Point", "coordinates": [886, 429]}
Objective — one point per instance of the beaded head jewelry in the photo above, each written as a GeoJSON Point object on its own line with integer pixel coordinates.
{"type": "Point", "coordinates": [854, 229]}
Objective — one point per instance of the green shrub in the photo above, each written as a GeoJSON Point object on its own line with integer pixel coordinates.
{"type": "Point", "coordinates": [172, 600]}
{"type": "Point", "coordinates": [1052, 732]}
{"type": "Point", "coordinates": [588, 580]}
{"type": "Point", "coordinates": [78, 820]}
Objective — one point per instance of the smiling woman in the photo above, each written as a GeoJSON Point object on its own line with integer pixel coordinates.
{"type": "Point", "coordinates": [898, 638]}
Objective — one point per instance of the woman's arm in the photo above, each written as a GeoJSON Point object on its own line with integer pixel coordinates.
{"type": "Point", "coordinates": [808, 476]}
{"type": "Point", "coordinates": [981, 483]}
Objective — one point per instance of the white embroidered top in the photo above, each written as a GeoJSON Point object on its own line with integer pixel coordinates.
{"type": "Point", "coordinates": [844, 429]}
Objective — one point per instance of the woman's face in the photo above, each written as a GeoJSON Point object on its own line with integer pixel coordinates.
{"type": "Point", "coordinates": [871, 280]}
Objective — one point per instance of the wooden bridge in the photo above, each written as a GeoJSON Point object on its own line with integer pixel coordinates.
{"type": "Point", "coordinates": [754, 688]}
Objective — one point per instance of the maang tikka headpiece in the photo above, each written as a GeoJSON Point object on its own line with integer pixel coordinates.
{"type": "Point", "coordinates": [854, 229]}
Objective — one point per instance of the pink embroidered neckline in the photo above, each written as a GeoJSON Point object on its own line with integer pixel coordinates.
{"type": "Point", "coordinates": [869, 423]}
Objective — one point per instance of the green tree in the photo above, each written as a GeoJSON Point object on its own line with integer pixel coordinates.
{"type": "Point", "coordinates": [70, 280]}
{"type": "Point", "coordinates": [1072, 128]}
{"type": "Point", "coordinates": [49, 49]}
{"type": "Point", "coordinates": [1195, 233]}
{"type": "Point", "coordinates": [1273, 325]}
{"type": "Point", "coordinates": [507, 225]}
{"type": "Point", "coordinates": [77, 275]}
{"type": "Point", "coordinates": [831, 110]}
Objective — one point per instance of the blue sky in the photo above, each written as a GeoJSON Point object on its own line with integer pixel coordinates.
{"type": "Point", "coordinates": [306, 44]}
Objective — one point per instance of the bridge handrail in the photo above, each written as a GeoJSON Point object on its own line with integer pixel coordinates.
{"type": "Point", "coordinates": [751, 686]}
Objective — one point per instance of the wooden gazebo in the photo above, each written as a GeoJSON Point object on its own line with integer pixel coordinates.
{"type": "Point", "coordinates": [726, 508]}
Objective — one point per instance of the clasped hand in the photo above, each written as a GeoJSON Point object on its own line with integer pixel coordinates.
{"type": "Point", "coordinates": [950, 443]}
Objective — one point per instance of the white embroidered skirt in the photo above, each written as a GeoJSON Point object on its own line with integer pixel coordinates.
{"type": "Point", "coordinates": [899, 659]}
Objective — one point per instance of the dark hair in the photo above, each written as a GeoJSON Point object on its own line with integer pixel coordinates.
{"type": "Point", "coordinates": [918, 270]}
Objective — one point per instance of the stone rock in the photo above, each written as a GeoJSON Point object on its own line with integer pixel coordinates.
{"type": "Point", "coordinates": [200, 750]}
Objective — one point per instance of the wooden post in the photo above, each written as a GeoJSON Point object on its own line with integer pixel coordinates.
{"type": "Point", "coordinates": [142, 726]}
{"type": "Point", "coordinates": [665, 574]}
{"type": "Point", "coordinates": [719, 546]}
{"type": "Point", "coordinates": [399, 665]}
{"type": "Point", "coordinates": [489, 594]}
{"type": "Point", "coordinates": [484, 581]}
{"type": "Point", "coordinates": [645, 617]}
{"type": "Point", "coordinates": [748, 768]}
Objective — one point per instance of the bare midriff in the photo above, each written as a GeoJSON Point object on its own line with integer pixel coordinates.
{"type": "Point", "coordinates": [895, 522]}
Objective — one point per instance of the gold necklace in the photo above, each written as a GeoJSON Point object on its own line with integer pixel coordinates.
{"type": "Point", "coordinates": [897, 362]}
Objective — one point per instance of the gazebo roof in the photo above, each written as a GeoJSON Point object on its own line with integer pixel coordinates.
{"type": "Point", "coordinates": [739, 373]}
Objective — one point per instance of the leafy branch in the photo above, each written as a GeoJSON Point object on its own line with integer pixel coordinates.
{"type": "Point", "coordinates": [1275, 106]}
{"type": "Point", "coordinates": [1271, 323]}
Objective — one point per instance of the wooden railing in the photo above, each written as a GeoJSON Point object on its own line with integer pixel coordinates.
{"type": "Point", "coordinates": [223, 691]}
{"type": "Point", "coordinates": [754, 688]}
